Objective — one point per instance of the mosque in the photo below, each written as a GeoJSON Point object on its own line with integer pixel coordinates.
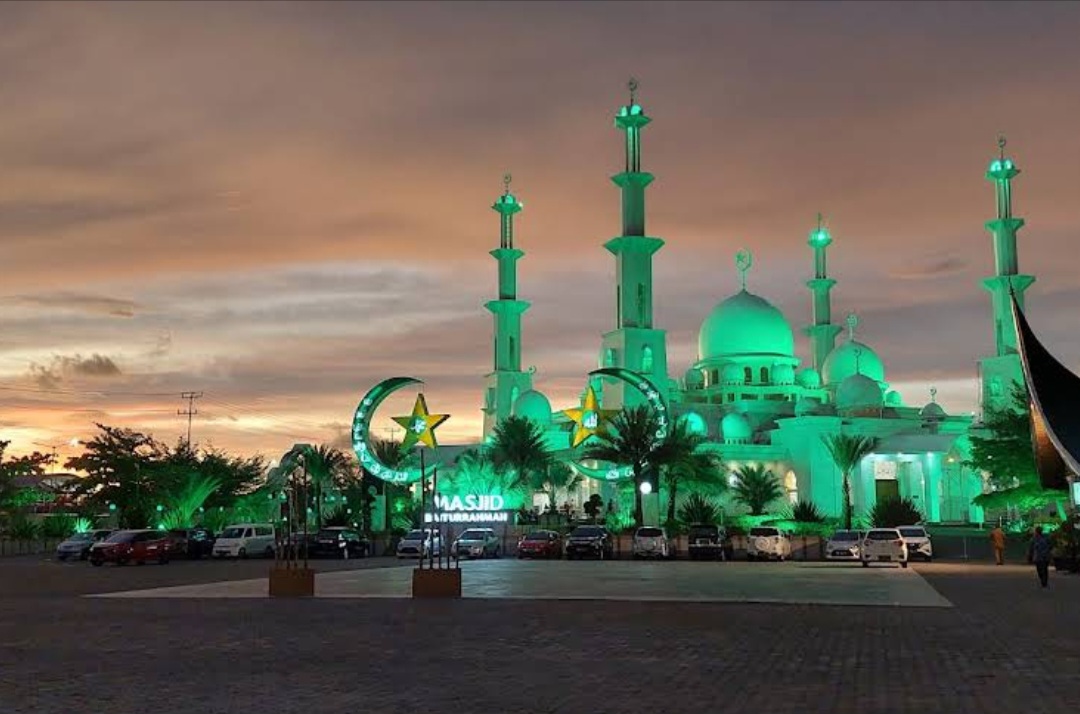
{"type": "Point", "coordinates": [748, 393]}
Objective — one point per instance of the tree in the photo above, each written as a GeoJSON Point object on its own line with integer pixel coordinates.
{"type": "Point", "coordinates": [556, 477]}
{"type": "Point", "coordinates": [327, 466]}
{"type": "Point", "coordinates": [699, 469]}
{"type": "Point", "coordinates": [756, 487]}
{"type": "Point", "coordinates": [631, 440]}
{"type": "Point", "coordinates": [594, 507]}
{"type": "Point", "coordinates": [390, 453]}
{"type": "Point", "coordinates": [518, 448]}
{"type": "Point", "coordinates": [13, 469]}
{"type": "Point", "coordinates": [122, 470]}
{"type": "Point", "coordinates": [476, 472]}
{"type": "Point", "coordinates": [847, 453]}
{"type": "Point", "coordinates": [698, 509]}
{"type": "Point", "coordinates": [1002, 449]}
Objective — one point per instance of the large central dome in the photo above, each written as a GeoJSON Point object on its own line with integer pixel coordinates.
{"type": "Point", "coordinates": [745, 324]}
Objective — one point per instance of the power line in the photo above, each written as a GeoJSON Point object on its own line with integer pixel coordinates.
{"type": "Point", "coordinates": [190, 411]}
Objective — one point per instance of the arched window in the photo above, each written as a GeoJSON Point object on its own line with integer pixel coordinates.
{"type": "Point", "coordinates": [764, 375]}
{"type": "Point", "coordinates": [748, 375]}
{"type": "Point", "coordinates": [513, 346]}
{"type": "Point", "coordinates": [791, 486]}
{"type": "Point", "coordinates": [609, 357]}
{"type": "Point", "coordinates": [514, 394]}
{"type": "Point", "coordinates": [646, 359]}
{"type": "Point", "coordinates": [715, 376]}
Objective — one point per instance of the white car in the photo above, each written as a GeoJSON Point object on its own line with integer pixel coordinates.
{"type": "Point", "coordinates": [918, 542]}
{"type": "Point", "coordinates": [767, 543]}
{"type": "Point", "coordinates": [244, 540]}
{"type": "Point", "coordinates": [884, 545]}
{"type": "Point", "coordinates": [419, 543]}
{"type": "Point", "coordinates": [843, 545]}
{"type": "Point", "coordinates": [651, 542]}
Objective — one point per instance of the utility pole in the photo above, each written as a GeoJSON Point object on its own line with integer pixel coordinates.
{"type": "Point", "coordinates": [190, 411]}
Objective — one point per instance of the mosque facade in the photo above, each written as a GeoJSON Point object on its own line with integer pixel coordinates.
{"type": "Point", "coordinates": [748, 393]}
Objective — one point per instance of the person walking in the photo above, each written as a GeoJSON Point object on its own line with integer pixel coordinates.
{"type": "Point", "coordinates": [1039, 554]}
{"type": "Point", "coordinates": [997, 541]}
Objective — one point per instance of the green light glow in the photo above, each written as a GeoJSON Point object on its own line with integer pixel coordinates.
{"type": "Point", "coordinates": [362, 429]}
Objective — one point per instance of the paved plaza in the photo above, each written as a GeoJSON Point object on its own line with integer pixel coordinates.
{"type": "Point", "coordinates": [986, 640]}
{"type": "Point", "coordinates": [792, 583]}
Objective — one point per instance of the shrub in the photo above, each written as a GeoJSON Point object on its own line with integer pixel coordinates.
{"type": "Point", "coordinates": [60, 525]}
{"type": "Point", "coordinates": [22, 528]}
{"type": "Point", "coordinates": [806, 512]}
{"type": "Point", "coordinates": [893, 512]}
{"type": "Point", "coordinates": [698, 509]}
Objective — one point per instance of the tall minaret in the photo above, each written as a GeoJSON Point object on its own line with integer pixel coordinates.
{"type": "Point", "coordinates": [634, 343]}
{"type": "Point", "coordinates": [999, 371]}
{"type": "Point", "coordinates": [506, 381]}
{"type": "Point", "coordinates": [822, 332]}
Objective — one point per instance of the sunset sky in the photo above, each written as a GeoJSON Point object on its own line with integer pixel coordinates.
{"type": "Point", "coordinates": [280, 205]}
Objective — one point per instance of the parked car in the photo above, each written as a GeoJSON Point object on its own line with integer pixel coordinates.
{"type": "Point", "coordinates": [191, 543]}
{"type": "Point", "coordinates": [651, 542]}
{"type": "Point", "coordinates": [420, 543]}
{"type": "Point", "coordinates": [540, 544]}
{"type": "Point", "coordinates": [477, 543]}
{"type": "Point", "coordinates": [78, 545]}
{"type": "Point", "coordinates": [843, 545]}
{"type": "Point", "coordinates": [340, 542]}
{"type": "Point", "coordinates": [244, 540]}
{"type": "Point", "coordinates": [884, 545]}
{"type": "Point", "coordinates": [589, 541]}
{"type": "Point", "coordinates": [136, 546]}
{"type": "Point", "coordinates": [767, 543]}
{"type": "Point", "coordinates": [918, 542]}
{"type": "Point", "coordinates": [709, 542]}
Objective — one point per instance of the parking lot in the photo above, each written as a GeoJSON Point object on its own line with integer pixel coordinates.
{"type": "Point", "coordinates": [1002, 645]}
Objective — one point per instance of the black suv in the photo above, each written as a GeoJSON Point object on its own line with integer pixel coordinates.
{"type": "Point", "coordinates": [191, 543]}
{"type": "Point", "coordinates": [340, 542]}
{"type": "Point", "coordinates": [708, 542]}
{"type": "Point", "coordinates": [589, 541]}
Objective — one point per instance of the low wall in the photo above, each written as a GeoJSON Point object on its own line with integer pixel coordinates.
{"type": "Point", "coordinates": [37, 546]}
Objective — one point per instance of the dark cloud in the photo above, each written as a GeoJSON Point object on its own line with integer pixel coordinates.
{"type": "Point", "coordinates": [52, 375]}
{"type": "Point", "coordinates": [931, 268]}
{"type": "Point", "coordinates": [94, 304]}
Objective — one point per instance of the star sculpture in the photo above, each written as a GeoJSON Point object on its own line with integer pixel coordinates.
{"type": "Point", "coordinates": [420, 425]}
{"type": "Point", "coordinates": [589, 418]}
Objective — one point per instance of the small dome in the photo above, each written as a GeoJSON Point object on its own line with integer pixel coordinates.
{"type": "Point", "coordinates": [533, 405]}
{"type": "Point", "coordinates": [810, 378]}
{"type": "Point", "coordinates": [695, 423]}
{"type": "Point", "coordinates": [745, 324]}
{"type": "Point", "coordinates": [807, 406]}
{"type": "Point", "coordinates": [694, 379]}
{"type": "Point", "coordinates": [735, 429]}
{"type": "Point", "coordinates": [783, 373]}
{"type": "Point", "coordinates": [932, 410]}
{"type": "Point", "coordinates": [731, 374]}
{"type": "Point", "coordinates": [858, 392]}
{"type": "Point", "coordinates": [852, 357]}
{"type": "Point", "coordinates": [893, 399]}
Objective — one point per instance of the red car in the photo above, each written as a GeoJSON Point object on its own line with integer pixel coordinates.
{"type": "Point", "coordinates": [540, 544]}
{"type": "Point", "coordinates": [124, 547]}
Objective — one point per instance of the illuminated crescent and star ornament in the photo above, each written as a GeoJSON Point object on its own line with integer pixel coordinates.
{"type": "Point", "coordinates": [420, 425]}
{"type": "Point", "coordinates": [589, 418]}
{"type": "Point", "coordinates": [655, 399]}
{"type": "Point", "coordinates": [361, 431]}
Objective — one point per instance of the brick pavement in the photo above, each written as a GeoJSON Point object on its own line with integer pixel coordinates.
{"type": "Point", "coordinates": [1005, 647]}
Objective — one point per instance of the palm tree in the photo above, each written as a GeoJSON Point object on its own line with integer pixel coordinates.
{"type": "Point", "coordinates": [326, 465]}
{"type": "Point", "coordinates": [632, 441]}
{"type": "Point", "coordinates": [756, 487]}
{"type": "Point", "coordinates": [390, 453]}
{"type": "Point", "coordinates": [847, 452]}
{"type": "Point", "coordinates": [518, 447]}
{"type": "Point", "coordinates": [698, 509]}
{"type": "Point", "coordinates": [556, 477]}
{"type": "Point", "coordinates": [697, 468]}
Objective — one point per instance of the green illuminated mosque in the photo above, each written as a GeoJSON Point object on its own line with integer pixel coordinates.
{"type": "Point", "coordinates": [748, 393]}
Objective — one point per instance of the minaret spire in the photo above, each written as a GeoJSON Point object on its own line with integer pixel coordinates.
{"type": "Point", "coordinates": [506, 380]}
{"type": "Point", "coordinates": [822, 332]}
{"type": "Point", "coordinates": [999, 371]}
{"type": "Point", "coordinates": [634, 343]}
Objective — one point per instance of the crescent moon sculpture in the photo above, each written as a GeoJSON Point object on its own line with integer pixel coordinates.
{"type": "Point", "coordinates": [653, 397]}
{"type": "Point", "coordinates": [361, 431]}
